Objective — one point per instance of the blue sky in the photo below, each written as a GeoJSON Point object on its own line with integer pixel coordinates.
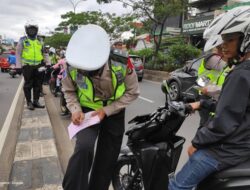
{"type": "Point", "coordinates": [14, 13]}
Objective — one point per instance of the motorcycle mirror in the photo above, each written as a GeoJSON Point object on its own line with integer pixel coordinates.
{"type": "Point", "coordinates": [165, 87]}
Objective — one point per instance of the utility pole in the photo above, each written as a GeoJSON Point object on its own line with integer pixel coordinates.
{"type": "Point", "coordinates": [75, 4]}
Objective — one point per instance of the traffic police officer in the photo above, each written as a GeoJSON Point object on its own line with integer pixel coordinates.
{"type": "Point", "coordinates": [29, 56]}
{"type": "Point", "coordinates": [95, 81]}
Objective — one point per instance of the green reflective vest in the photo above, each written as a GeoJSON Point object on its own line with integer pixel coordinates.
{"type": "Point", "coordinates": [86, 91]}
{"type": "Point", "coordinates": [32, 52]}
{"type": "Point", "coordinates": [221, 80]}
{"type": "Point", "coordinates": [211, 74]}
{"type": "Point", "coordinates": [222, 77]}
{"type": "Point", "coordinates": [52, 58]}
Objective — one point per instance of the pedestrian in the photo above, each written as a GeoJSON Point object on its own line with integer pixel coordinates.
{"type": "Point", "coordinates": [29, 56]}
{"type": "Point", "coordinates": [95, 82]}
{"type": "Point", "coordinates": [224, 141]}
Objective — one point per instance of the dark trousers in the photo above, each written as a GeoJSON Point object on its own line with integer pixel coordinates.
{"type": "Point", "coordinates": [32, 80]}
{"type": "Point", "coordinates": [47, 74]}
{"type": "Point", "coordinates": [110, 132]}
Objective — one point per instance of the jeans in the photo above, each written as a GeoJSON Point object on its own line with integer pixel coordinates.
{"type": "Point", "coordinates": [198, 167]}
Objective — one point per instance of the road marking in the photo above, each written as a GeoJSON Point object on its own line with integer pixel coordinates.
{"type": "Point", "coordinates": [7, 122]}
{"type": "Point", "coordinates": [145, 99]}
{"type": "Point", "coordinates": [153, 82]}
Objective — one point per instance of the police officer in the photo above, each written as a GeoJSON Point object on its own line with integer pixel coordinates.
{"type": "Point", "coordinates": [96, 82]}
{"type": "Point", "coordinates": [29, 56]}
{"type": "Point", "coordinates": [211, 66]}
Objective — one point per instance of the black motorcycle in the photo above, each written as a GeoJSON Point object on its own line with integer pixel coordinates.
{"type": "Point", "coordinates": [53, 86]}
{"type": "Point", "coordinates": [153, 151]}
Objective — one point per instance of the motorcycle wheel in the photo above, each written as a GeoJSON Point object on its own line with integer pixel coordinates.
{"type": "Point", "coordinates": [127, 175]}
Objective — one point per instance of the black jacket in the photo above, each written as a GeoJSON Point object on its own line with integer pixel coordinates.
{"type": "Point", "coordinates": [227, 136]}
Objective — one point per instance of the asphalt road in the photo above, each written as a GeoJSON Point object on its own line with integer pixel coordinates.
{"type": "Point", "coordinates": [150, 98]}
{"type": "Point", "coordinates": [8, 88]}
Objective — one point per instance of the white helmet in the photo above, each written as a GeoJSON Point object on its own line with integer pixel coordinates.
{"type": "Point", "coordinates": [235, 20]}
{"type": "Point", "coordinates": [212, 28]}
{"type": "Point", "coordinates": [52, 50]}
{"type": "Point", "coordinates": [213, 42]}
{"type": "Point", "coordinates": [88, 48]}
{"type": "Point", "coordinates": [30, 23]}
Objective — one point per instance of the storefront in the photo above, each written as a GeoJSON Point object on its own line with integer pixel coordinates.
{"type": "Point", "coordinates": [194, 29]}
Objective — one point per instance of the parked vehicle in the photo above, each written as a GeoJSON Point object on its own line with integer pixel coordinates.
{"type": "Point", "coordinates": [4, 64]}
{"type": "Point", "coordinates": [153, 151]}
{"type": "Point", "coordinates": [138, 63]}
{"type": "Point", "coordinates": [181, 81]}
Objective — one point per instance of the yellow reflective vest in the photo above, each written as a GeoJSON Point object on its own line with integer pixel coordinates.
{"type": "Point", "coordinates": [211, 74]}
{"type": "Point", "coordinates": [86, 91]}
{"type": "Point", "coordinates": [32, 52]}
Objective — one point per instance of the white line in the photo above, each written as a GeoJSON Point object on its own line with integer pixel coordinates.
{"type": "Point", "coordinates": [153, 82]}
{"type": "Point", "coordinates": [7, 122]}
{"type": "Point", "coordinates": [145, 99]}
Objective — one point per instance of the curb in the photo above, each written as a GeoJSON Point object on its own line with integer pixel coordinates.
{"type": "Point", "coordinates": [64, 145]}
{"type": "Point", "coordinates": [157, 76]}
{"type": "Point", "coordinates": [7, 148]}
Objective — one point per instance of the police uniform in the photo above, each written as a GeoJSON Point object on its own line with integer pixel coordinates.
{"type": "Point", "coordinates": [112, 89]}
{"type": "Point", "coordinates": [211, 67]}
{"type": "Point", "coordinates": [29, 56]}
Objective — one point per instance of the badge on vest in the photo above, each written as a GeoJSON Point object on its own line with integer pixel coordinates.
{"type": "Point", "coordinates": [81, 81]}
{"type": "Point", "coordinates": [27, 43]}
{"type": "Point", "coordinates": [120, 78]}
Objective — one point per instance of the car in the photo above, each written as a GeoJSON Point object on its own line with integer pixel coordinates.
{"type": "Point", "coordinates": [138, 63]}
{"type": "Point", "coordinates": [4, 64]}
{"type": "Point", "coordinates": [182, 81]}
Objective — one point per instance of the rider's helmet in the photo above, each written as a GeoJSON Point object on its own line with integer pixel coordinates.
{"type": "Point", "coordinates": [12, 52]}
{"type": "Point", "coordinates": [88, 48]}
{"type": "Point", "coordinates": [234, 21]}
{"type": "Point", "coordinates": [52, 50]}
{"type": "Point", "coordinates": [31, 28]}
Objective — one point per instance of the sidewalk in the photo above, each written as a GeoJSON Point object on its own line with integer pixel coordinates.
{"type": "Point", "coordinates": [36, 165]}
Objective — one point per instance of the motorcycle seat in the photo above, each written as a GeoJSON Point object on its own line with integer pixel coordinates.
{"type": "Point", "coordinates": [241, 170]}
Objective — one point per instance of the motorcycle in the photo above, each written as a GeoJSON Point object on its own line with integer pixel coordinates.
{"type": "Point", "coordinates": [13, 72]}
{"type": "Point", "coordinates": [153, 151]}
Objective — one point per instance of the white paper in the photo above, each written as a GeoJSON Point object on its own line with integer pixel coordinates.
{"type": "Point", "coordinates": [87, 122]}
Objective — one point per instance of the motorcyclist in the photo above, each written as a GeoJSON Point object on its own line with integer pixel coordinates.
{"type": "Point", "coordinates": [95, 82]}
{"type": "Point", "coordinates": [224, 141]}
{"type": "Point", "coordinates": [29, 56]}
{"type": "Point", "coordinates": [52, 56]}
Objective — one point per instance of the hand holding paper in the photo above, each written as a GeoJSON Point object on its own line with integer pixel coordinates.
{"type": "Point", "coordinates": [88, 121]}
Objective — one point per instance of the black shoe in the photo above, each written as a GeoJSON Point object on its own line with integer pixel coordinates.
{"type": "Point", "coordinates": [30, 106]}
{"type": "Point", "coordinates": [36, 104]}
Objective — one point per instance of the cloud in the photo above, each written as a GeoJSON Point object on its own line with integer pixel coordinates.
{"type": "Point", "coordinates": [14, 13]}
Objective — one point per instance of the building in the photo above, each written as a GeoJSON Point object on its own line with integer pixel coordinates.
{"type": "Point", "coordinates": [199, 16]}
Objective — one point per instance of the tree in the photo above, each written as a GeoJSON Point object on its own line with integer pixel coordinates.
{"type": "Point", "coordinates": [114, 25]}
{"type": "Point", "coordinates": [58, 40]}
{"type": "Point", "coordinates": [158, 11]}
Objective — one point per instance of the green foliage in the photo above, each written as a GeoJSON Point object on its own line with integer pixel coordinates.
{"type": "Point", "coordinates": [182, 52]}
{"type": "Point", "coordinates": [175, 58]}
{"type": "Point", "coordinates": [147, 53]}
{"type": "Point", "coordinates": [114, 25]}
{"type": "Point", "coordinates": [58, 40]}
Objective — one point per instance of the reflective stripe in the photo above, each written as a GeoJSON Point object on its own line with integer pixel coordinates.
{"type": "Point", "coordinates": [86, 91]}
